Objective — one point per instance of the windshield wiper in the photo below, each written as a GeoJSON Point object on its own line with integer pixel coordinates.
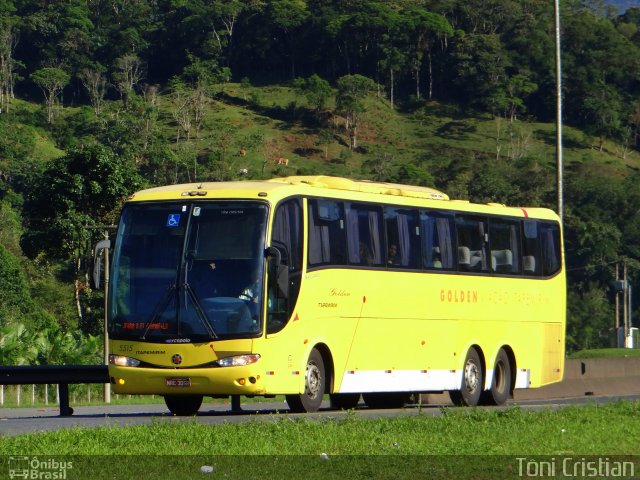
{"type": "Point", "coordinates": [166, 299]}
{"type": "Point", "coordinates": [161, 307]}
{"type": "Point", "coordinates": [200, 311]}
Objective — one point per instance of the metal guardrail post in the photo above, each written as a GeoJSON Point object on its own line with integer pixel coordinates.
{"type": "Point", "coordinates": [63, 391]}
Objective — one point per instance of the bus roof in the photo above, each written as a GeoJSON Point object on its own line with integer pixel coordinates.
{"type": "Point", "coordinates": [339, 183]}
{"type": "Point", "coordinates": [324, 185]}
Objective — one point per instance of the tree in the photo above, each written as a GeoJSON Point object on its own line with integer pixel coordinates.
{"type": "Point", "coordinates": [51, 81]}
{"type": "Point", "coordinates": [412, 174]}
{"type": "Point", "coordinates": [325, 138]}
{"type": "Point", "coordinates": [222, 140]}
{"type": "Point", "coordinates": [16, 303]}
{"type": "Point", "coordinates": [96, 83]}
{"type": "Point", "coordinates": [480, 67]}
{"type": "Point", "coordinates": [129, 72]}
{"type": "Point", "coordinates": [604, 70]}
{"type": "Point", "coordinates": [223, 16]}
{"type": "Point", "coordinates": [426, 28]}
{"type": "Point", "coordinates": [316, 90]}
{"type": "Point", "coordinates": [589, 318]}
{"type": "Point", "coordinates": [487, 16]}
{"type": "Point", "coordinates": [392, 61]}
{"type": "Point", "coordinates": [16, 345]}
{"type": "Point", "coordinates": [519, 87]}
{"type": "Point", "coordinates": [56, 347]}
{"type": "Point", "coordinates": [75, 194]}
{"type": "Point", "coordinates": [352, 90]}
{"type": "Point", "coordinates": [603, 109]}
{"type": "Point", "coordinates": [181, 110]}
{"type": "Point", "coordinates": [75, 45]}
{"type": "Point", "coordinates": [8, 64]}
{"type": "Point", "coordinates": [288, 16]}
{"type": "Point", "coordinates": [13, 285]}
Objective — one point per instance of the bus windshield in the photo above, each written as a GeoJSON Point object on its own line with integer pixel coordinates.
{"type": "Point", "coordinates": [188, 271]}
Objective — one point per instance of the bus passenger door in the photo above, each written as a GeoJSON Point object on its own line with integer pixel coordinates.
{"type": "Point", "coordinates": [285, 265]}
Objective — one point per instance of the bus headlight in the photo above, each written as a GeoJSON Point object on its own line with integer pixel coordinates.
{"type": "Point", "coordinates": [238, 360]}
{"type": "Point", "coordinates": [123, 361]}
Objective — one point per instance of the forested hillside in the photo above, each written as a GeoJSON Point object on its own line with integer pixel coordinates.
{"type": "Point", "coordinates": [99, 98]}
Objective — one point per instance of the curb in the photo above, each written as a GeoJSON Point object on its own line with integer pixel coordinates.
{"type": "Point", "coordinates": [592, 376]}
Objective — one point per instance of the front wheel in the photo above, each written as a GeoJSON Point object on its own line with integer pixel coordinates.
{"type": "Point", "coordinates": [314, 386]}
{"type": "Point", "coordinates": [183, 405]}
{"type": "Point", "coordinates": [472, 382]}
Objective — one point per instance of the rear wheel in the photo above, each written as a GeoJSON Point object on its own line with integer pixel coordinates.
{"type": "Point", "coordinates": [314, 386]}
{"type": "Point", "coordinates": [183, 405]}
{"type": "Point", "coordinates": [501, 383]}
{"type": "Point", "coordinates": [344, 401]}
{"type": "Point", "coordinates": [472, 382]}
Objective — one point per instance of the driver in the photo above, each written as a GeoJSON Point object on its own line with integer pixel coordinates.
{"type": "Point", "coordinates": [251, 293]}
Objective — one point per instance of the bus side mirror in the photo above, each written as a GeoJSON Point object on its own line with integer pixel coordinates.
{"type": "Point", "coordinates": [97, 264]}
{"type": "Point", "coordinates": [273, 253]}
{"type": "Point", "coordinates": [278, 271]}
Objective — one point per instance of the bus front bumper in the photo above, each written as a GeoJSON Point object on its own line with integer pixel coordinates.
{"type": "Point", "coordinates": [245, 380]}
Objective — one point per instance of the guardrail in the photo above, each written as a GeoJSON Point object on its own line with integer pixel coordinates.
{"type": "Point", "coordinates": [62, 375]}
{"type": "Point", "coordinates": [591, 377]}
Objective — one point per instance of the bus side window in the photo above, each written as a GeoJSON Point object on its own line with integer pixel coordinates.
{"type": "Point", "coordinates": [364, 239]}
{"type": "Point", "coordinates": [472, 243]}
{"type": "Point", "coordinates": [287, 231]}
{"type": "Point", "coordinates": [550, 243]}
{"type": "Point", "coordinates": [504, 236]}
{"type": "Point", "coordinates": [530, 248]}
{"type": "Point", "coordinates": [403, 242]}
{"type": "Point", "coordinates": [327, 240]}
{"type": "Point", "coordinates": [437, 235]}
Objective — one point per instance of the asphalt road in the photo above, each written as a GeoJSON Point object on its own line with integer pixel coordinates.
{"type": "Point", "coordinates": [16, 421]}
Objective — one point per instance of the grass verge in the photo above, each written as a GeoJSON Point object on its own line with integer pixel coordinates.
{"type": "Point", "coordinates": [479, 443]}
{"type": "Point", "coordinates": [576, 430]}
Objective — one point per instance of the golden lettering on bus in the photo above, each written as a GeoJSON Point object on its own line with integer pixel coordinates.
{"type": "Point", "coordinates": [459, 296]}
{"type": "Point", "coordinates": [509, 297]}
{"type": "Point", "coordinates": [338, 292]}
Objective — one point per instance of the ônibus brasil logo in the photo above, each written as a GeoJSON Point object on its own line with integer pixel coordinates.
{"type": "Point", "coordinates": [38, 468]}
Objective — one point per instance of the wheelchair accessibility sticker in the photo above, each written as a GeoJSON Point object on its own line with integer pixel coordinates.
{"type": "Point", "coordinates": [173, 220]}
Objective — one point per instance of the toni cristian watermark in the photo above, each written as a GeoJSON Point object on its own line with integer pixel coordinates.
{"type": "Point", "coordinates": [575, 467]}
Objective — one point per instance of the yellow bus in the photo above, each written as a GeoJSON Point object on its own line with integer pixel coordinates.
{"type": "Point", "coordinates": [314, 285]}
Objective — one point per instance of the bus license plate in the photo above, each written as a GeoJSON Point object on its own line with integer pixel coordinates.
{"type": "Point", "coordinates": [178, 382]}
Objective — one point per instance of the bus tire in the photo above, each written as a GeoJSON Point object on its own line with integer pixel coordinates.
{"type": "Point", "coordinates": [344, 401]}
{"type": "Point", "coordinates": [314, 386]}
{"type": "Point", "coordinates": [472, 382]}
{"type": "Point", "coordinates": [183, 405]}
{"type": "Point", "coordinates": [501, 383]}
{"type": "Point", "coordinates": [386, 400]}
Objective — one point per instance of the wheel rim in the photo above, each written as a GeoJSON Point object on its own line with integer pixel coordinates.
{"type": "Point", "coordinates": [471, 376]}
{"type": "Point", "coordinates": [314, 380]}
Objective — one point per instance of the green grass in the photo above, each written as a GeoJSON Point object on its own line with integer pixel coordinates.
{"type": "Point", "coordinates": [607, 353]}
{"type": "Point", "coordinates": [471, 444]}
{"type": "Point", "coordinates": [431, 130]}
{"type": "Point", "coordinates": [576, 430]}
